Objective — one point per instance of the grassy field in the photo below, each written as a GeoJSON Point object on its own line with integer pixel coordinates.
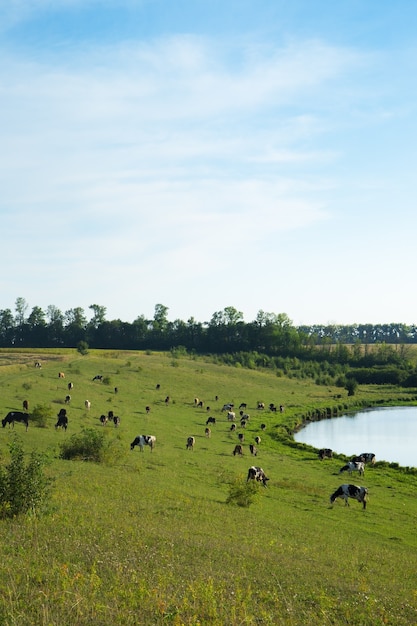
{"type": "Point", "coordinates": [148, 538]}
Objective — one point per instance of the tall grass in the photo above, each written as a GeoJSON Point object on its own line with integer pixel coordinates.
{"type": "Point", "coordinates": [150, 538]}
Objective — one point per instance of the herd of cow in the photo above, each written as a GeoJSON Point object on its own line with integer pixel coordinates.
{"type": "Point", "coordinates": [255, 473]}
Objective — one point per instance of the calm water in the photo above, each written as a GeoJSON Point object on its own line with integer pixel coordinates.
{"type": "Point", "coordinates": [391, 433]}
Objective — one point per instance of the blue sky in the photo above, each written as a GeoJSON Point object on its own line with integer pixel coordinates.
{"type": "Point", "coordinates": [204, 154]}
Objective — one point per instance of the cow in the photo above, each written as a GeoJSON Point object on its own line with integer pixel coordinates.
{"type": "Point", "coordinates": [257, 440]}
{"type": "Point", "coordinates": [350, 491]}
{"type": "Point", "coordinates": [190, 443]}
{"type": "Point", "coordinates": [67, 399]}
{"type": "Point", "coordinates": [70, 386]}
{"type": "Point", "coordinates": [238, 450]}
{"type": "Point", "coordinates": [207, 432]}
{"type": "Point", "coordinates": [167, 399]}
{"type": "Point", "coordinates": [116, 421]}
{"type": "Point", "coordinates": [16, 416]}
{"type": "Point", "coordinates": [210, 420]}
{"type": "Point", "coordinates": [243, 405]}
{"type": "Point", "coordinates": [243, 423]}
{"type": "Point", "coordinates": [228, 407]}
{"type": "Point", "coordinates": [231, 416]}
{"type": "Point", "coordinates": [359, 458]}
{"type": "Point", "coordinates": [281, 408]}
{"type": "Point", "coordinates": [325, 453]}
{"type": "Point", "coordinates": [353, 466]}
{"type": "Point", "coordinates": [244, 416]}
{"type": "Point", "coordinates": [61, 375]}
{"type": "Point", "coordinates": [25, 406]}
{"type": "Point", "coordinates": [257, 473]}
{"type": "Point", "coordinates": [62, 420]}
{"type": "Point", "coordinates": [38, 364]}
{"type": "Point", "coordinates": [263, 426]}
{"type": "Point", "coordinates": [272, 407]}
{"type": "Point", "coordinates": [158, 386]}
{"type": "Point", "coordinates": [200, 404]}
{"type": "Point", "coordinates": [103, 419]}
{"type": "Point", "coordinates": [142, 441]}
{"type": "Point", "coordinates": [116, 390]}
{"type": "Point", "coordinates": [241, 437]}
{"type": "Point", "coordinates": [98, 377]}
{"type": "Point", "coordinates": [253, 449]}
{"type": "Point", "coordinates": [148, 409]}
{"type": "Point", "coordinates": [87, 405]}
{"type": "Point", "coordinates": [233, 427]}
{"type": "Point", "coordinates": [261, 405]}
{"type": "Point", "coordinates": [369, 457]}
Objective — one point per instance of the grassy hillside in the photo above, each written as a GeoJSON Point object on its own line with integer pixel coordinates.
{"type": "Point", "coordinates": [147, 538]}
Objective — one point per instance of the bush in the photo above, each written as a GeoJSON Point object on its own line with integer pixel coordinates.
{"type": "Point", "coordinates": [40, 415]}
{"type": "Point", "coordinates": [89, 445]}
{"type": "Point", "coordinates": [23, 486]}
{"type": "Point", "coordinates": [242, 493]}
{"type": "Point", "coordinates": [82, 347]}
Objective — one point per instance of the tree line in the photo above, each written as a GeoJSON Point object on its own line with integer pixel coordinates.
{"type": "Point", "coordinates": [225, 332]}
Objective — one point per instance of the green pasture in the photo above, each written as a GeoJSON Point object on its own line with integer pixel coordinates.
{"type": "Point", "coordinates": [148, 538]}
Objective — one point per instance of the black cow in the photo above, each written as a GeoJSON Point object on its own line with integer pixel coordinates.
{"type": "Point", "coordinates": [210, 420]}
{"type": "Point", "coordinates": [16, 416]}
{"type": "Point", "coordinates": [257, 473]}
{"type": "Point", "coordinates": [98, 377]}
{"type": "Point", "coordinates": [238, 450]}
{"type": "Point", "coordinates": [325, 453]}
{"type": "Point", "coordinates": [62, 420]}
{"type": "Point", "coordinates": [350, 491]}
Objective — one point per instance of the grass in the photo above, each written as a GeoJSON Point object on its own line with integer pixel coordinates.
{"type": "Point", "coordinates": [147, 538]}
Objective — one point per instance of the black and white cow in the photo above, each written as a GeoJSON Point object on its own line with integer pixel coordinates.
{"type": "Point", "coordinates": [210, 420]}
{"type": "Point", "coordinates": [103, 419]}
{"type": "Point", "coordinates": [353, 466]}
{"type": "Point", "coordinates": [98, 377]}
{"type": "Point", "coordinates": [25, 406]}
{"type": "Point", "coordinates": [231, 416]}
{"type": "Point", "coordinates": [207, 432]}
{"type": "Point", "coordinates": [369, 457]}
{"type": "Point", "coordinates": [257, 440]}
{"type": "Point", "coordinates": [253, 449]}
{"type": "Point", "coordinates": [238, 451]}
{"type": "Point", "coordinates": [257, 473]}
{"type": "Point", "coordinates": [228, 407]}
{"type": "Point", "coordinates": [325, 453]}
{"type": "Point", "coordinates": [190, 443]}
{"type": "Point", "coordinates": [16, 416]}
{"type": "Point", "coordinates": [350, 491]}
{"type": "Point", "coordinates": [142, 441]}
{"type": "Point", "coordinates": [62, 420]}
{"type": "Point", "coordinates": [67, 399]}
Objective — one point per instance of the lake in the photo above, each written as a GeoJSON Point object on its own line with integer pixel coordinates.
{"type": "Point", "coordinates": [391, 433]}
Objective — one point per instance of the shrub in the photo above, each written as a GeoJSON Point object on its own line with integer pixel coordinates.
{"type": "Point", "coordinates": [89, 445]}
{"type": "Point", "coordinates": [82, 347]}
{"type": "Point", "coordinates": [40, 415]}
{"type": "Point", "coordinates": [242, 493]}
{"type": "Point", "coordinates": [23, 486]}
{"type": "Point", "coordinates": [106, 380]}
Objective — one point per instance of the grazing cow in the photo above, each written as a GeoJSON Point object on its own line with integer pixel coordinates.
{"type": "Point", "coordinates": [116, 421]}
{"type": "Point", "coordinates": [116, 390]}
{"type": "Point", "coordinates": [210, 420]}
{"type": "Point", "coordinates": [16, 416]}
{"type": "Point", "coordinates": [190, 443]}
{"type": "Point", "coordinates": [70, 386]}
{"type": "Point", "coordinates": [257, 440]}
{"type": "Point", "coordinates": [243, 405]}
{"type": "Point", "coordinates": [253, 449]}
{"type": "Point", "coordinates": [281, 408]}
{"type": "Point", "coordinates": [62, 420]}
{"type": "Point", "coordinates": [103, 419]}
{"type": "Point", "coordinates": [142, 441]}
{"type": "Point", "coordinates": [200, 404]}
{"type": "Point", "coordinates": [208, 408]}
{"type": "Point", "coordinates": [87, 405]}
{"type": "Point", "coordinates": [158, 386]}
{"type": "Point", "coordinates": [272, 407]}
{"type": "Point", "coordinates": [350, 491]}
{"type": "Point", "coordinates": [261, 405]}
{"type": "Point", "coordinates": [207, 432]}
{"type": "Point", "coordinates": [241, 437]}
{"type": "Point", "coordinates": [196, 401]}
{"type": "Point", "coordinates": [25, 406]}
{"type": "Point", "coordinates": [368, 457]}
{"type": "Point", "coordinates": [148, 409]}
{"type": "Point", "coordinates": [353, 466]}
{"type": "Point", "coordinates": [98, 377]}
{"type": "Point", "coordinates": [257, 473]}
{"type": "Point", "coordinates": [167, 399]}
{"type": "Point", "coordinates": [228, 407]}
{"type": "Point", "coordinates": [67, 399]}
{"type": "Point", "coordinates": [216, 398]}
{"type": "Point", "coordinates": [243, 423]}
{"type": "Point", "coordinates": [244, 416]}
{"type": "Point", "coordinates": [38, 364]}
{"type": "Point", "coordinates": [61, 375]}
{"type": "Point", "coordinates": [231, 416]}
{"type": "Point", "coordinates": [238, 450]}
{"type": "Point", "coordinates": [263, 426]}
{"type": "Point", "coordinates": [325, 453]}
{"type": "Point", "coordinates": [233, 427]}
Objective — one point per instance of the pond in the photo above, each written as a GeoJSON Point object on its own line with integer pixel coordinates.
{"type": "Point", "coordinates": [390, 433]}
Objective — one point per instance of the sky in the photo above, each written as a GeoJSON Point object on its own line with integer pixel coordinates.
{"type": "Point", "coordinates": [204, 154]}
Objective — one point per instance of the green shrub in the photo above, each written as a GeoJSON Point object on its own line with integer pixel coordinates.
{"type": "Point", "coordinates": [23, 486]}
{"type": "Point", "coordinates": [89, 445]}
{"type": "Point", "coordinates": [106, 380]}
{"type": "Point", "coordinates": [41, 414]}
{"type": "Point", "coordinates": [82, 347]}
{"type": "Point", "coordinates": [242, 493]}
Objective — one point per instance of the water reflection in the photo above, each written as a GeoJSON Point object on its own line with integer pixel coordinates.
{"type": "Point", "coordinates": [391, 433]}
